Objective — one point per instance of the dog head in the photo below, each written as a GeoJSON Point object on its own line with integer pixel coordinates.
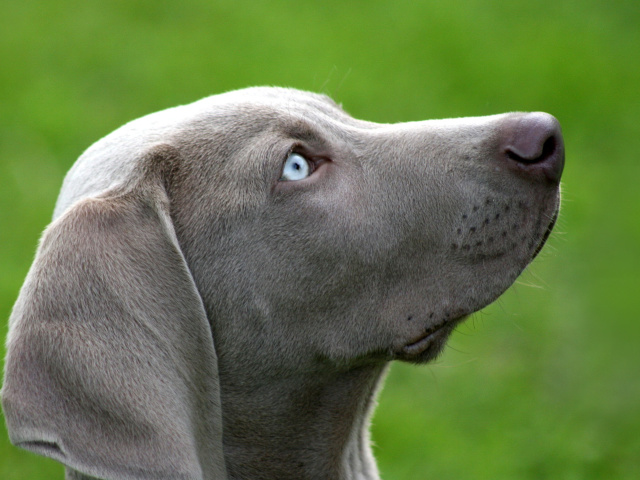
{"type": "Point", "coordinates": [273, 225]}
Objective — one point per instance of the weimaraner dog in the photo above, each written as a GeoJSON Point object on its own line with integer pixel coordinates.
{"type": "Point", "coordinates": [224, 283]}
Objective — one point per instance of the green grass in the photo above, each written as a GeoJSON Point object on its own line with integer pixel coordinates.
{"type": "Point", "coordinates": [543, 384]}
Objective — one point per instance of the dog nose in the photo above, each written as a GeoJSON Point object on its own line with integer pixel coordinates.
{"type": "Point", "coordinates": [533, 145]}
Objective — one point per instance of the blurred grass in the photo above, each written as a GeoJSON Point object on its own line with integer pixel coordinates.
{"type": "Point", "coordinates": [543, 384]}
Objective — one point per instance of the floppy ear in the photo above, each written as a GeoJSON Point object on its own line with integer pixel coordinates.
{"type": "Point", "coordinates": [111, 367]}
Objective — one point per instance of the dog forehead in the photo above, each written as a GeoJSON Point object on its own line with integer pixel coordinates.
{"type": "Point", "coordinates": [265, 107]}
{"type": "Point", "coordinates": [277, 97]}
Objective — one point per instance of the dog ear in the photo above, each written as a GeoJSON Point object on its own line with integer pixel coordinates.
{"type": "Point", "coordinates": [111, 367]}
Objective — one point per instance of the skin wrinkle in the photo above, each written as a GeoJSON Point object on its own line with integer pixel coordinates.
{"type": "Point", "coordinates": [240, 327]}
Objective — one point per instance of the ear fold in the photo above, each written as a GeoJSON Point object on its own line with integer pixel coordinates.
{"type": "Point", "coordinates": [111, 367]}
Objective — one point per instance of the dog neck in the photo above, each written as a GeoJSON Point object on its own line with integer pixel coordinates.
{"type": "Point", "coordinates": [310, 427]}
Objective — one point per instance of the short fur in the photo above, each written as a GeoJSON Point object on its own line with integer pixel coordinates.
{"type": "Point", "coordinates": [175, 233]}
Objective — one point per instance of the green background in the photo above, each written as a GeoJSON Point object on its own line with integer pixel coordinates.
{"type": "Point", "coordinates": [543, 384]}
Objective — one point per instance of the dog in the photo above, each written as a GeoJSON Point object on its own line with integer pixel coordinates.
{"type": "Point", "coordinates": [224, 283]}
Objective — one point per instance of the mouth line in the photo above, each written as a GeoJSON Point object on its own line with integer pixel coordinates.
{"type": "Point", "coordinates": [546, 235]}
{"type": "Point", "coordinates": [425, 336]}
{"type": "Point", "coordinates": [429, 336]}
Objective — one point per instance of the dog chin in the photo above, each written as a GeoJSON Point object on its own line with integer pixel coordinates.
{"type": "Point", "coordinates": [430, 345]}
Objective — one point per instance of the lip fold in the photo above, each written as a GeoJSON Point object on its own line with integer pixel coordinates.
{"type": "Point", "coordinates": [431, 341]}
{"type": "Point", "coordinates": [422, 343]}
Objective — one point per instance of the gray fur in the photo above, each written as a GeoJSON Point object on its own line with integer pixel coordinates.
{"type": "Point", "coordinates": [174, 233]}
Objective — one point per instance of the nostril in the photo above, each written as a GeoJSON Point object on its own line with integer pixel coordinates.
{"type": "Point", "coordinates": [533, 155]}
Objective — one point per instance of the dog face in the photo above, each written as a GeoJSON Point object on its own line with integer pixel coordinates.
{"type": "Point", "coordinates": [388, 238]}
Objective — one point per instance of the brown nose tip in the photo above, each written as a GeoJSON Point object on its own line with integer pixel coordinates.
{"type": "Point", "coordinates": [533, 145]}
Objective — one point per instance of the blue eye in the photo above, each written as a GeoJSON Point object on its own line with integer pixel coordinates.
{"type": "Point", "coordinates": [296, 167]}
